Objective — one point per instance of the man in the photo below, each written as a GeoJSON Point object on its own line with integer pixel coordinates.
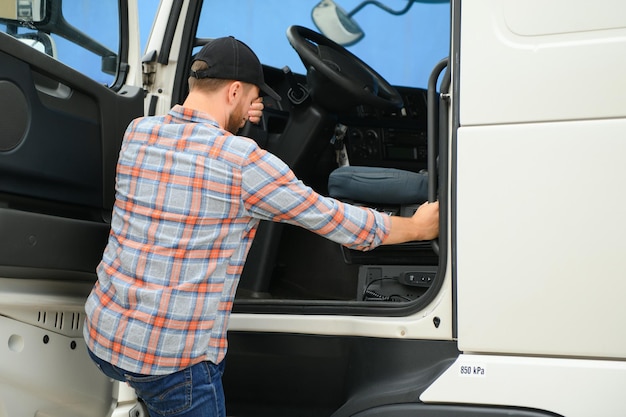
{"type": "Point", "coordinates": [189, 196]}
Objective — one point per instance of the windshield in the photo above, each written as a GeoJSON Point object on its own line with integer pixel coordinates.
{"type": "Point", "coordinates": [402, 48]}
{"type": "Point", "coordinates": [401, 40]}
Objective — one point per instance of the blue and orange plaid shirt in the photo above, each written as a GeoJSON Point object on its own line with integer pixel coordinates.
{"type": "Point", "coordinates": [189, 197]}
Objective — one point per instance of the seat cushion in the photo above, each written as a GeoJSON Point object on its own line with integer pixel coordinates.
{"type": "Point", "coordinates": [378, 185]}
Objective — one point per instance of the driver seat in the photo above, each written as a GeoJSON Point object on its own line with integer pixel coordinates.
{"type": "Point", "coordinates": [391, 191]}
{"type": "Point", "coordinates": [374, 185]}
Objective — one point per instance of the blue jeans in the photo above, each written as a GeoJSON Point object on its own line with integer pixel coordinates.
{"type": "Point", "coordinates": [192, 392]}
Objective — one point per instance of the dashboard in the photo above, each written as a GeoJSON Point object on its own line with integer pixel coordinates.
{"type": "Point", "coordinates": [395, 139]}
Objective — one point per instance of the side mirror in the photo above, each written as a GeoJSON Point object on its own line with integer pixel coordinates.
{"type": "Point", "coordinates": [339, 26]}
{"type": "Point", "coordinates": [335, 23]}
{"type": "Point", "coordinates": [33, 11]}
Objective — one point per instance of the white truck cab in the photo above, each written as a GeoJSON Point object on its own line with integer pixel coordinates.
{"type": "Point", "coordinates": [515, 111]}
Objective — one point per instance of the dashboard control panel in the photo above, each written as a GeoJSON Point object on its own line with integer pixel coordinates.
{"type": "Point", "coordinates": [396, 138]}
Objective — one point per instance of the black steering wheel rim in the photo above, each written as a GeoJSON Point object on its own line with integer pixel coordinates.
{"type": "Point", "coordinates": [306, 42]}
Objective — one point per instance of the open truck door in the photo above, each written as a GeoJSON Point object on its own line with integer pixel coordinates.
{"type": "Point", "coordinates": [61, 131]}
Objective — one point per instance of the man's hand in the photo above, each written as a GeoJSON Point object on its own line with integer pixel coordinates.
{"type": "Point", "coordinates": [426, 221]}
{"type": "Point", "coordinates": [256, 110]}
{"type": "Point", "coordinates": [423, 225]}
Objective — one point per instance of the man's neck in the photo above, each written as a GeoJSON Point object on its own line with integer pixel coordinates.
{"type": "Point", "coordinates": [207, 104]}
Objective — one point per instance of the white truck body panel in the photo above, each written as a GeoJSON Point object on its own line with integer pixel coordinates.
{"type": "Point", "coordinates": [587, 387]}
{"type": "Point", "coordinates": [539, 208]}
{"type": "Point", "coordinates": [540, 177]}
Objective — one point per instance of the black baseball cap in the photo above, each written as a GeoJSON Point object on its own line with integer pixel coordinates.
{"type": "Point", "coordinates": [230, 59]}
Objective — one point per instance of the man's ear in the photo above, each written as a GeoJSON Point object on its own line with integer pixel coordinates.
{"type": "Point", "coordinates": [235, 90]}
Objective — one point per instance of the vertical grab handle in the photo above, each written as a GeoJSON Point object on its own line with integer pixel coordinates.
{"type": "Point", "coordinates": [433, 130]}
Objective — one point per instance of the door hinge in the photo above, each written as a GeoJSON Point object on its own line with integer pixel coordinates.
{"type": "Point", "coordinates": [148, 69]}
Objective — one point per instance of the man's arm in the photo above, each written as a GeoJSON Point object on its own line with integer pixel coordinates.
{"type": "Point", "coordinates": [423, 225]}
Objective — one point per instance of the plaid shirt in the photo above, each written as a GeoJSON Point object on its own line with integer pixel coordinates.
{"type": "Point", "coordinates": [189, 197]}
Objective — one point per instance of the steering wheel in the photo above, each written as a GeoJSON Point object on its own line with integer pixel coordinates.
{"type": "Point", "coordinates": [359, 81]}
